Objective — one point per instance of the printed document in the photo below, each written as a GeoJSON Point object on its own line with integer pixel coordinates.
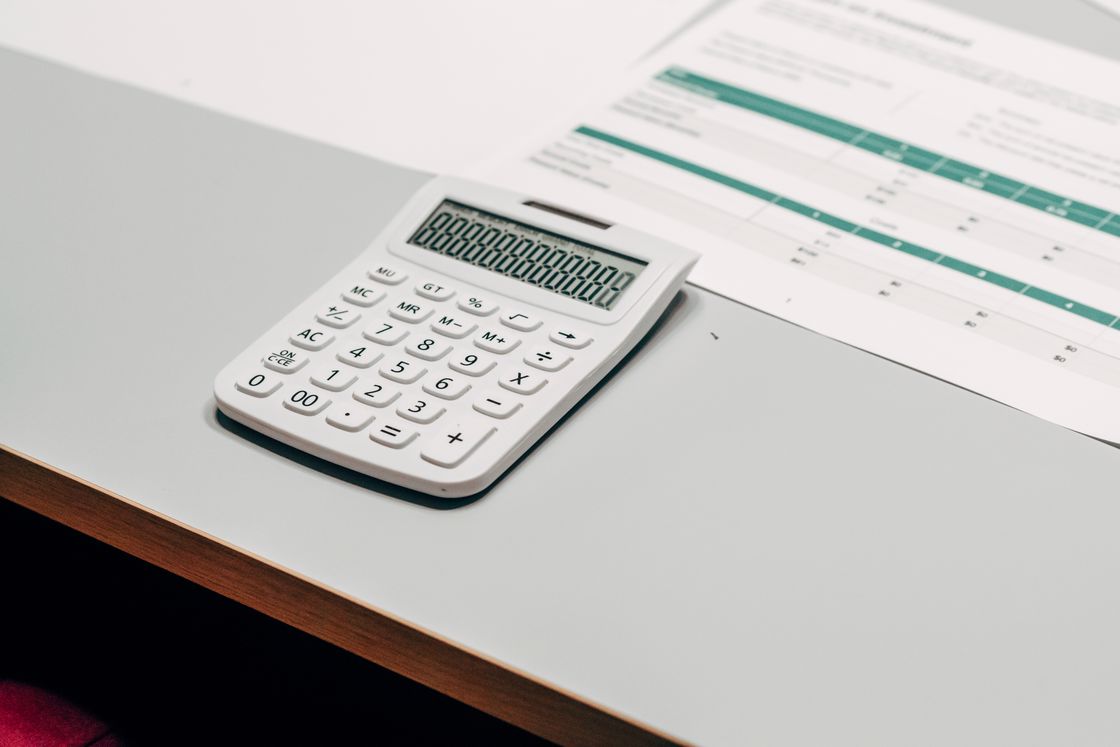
{"type": "Point", "coordinates": [915, 182]}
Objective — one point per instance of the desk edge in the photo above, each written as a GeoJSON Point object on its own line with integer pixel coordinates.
{"type": "Point", "coordinates": [376, 635]}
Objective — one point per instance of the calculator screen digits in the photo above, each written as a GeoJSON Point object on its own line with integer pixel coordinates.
{"type": "Point", "coordinates": [571, 268]}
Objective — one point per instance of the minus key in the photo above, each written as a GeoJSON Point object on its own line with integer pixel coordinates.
{"type": "Point", "coordinates": [496, 405]}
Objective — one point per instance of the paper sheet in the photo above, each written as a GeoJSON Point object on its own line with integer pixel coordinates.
{"type": "Point", "coordinates": [431, 84]}
{"type": "Point", "coordinates": [912, 181]}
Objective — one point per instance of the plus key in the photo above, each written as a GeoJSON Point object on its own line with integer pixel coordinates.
{"type": "Point", "coordinates": [450, 446]}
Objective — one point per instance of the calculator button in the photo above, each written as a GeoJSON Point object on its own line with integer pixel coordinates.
{"type": "Point", "coordinates": [496, 340]}
{"type": "Point", "coordinates": [350, 418]}
{"type": "Point", "coordinates": [333, 379]}
{"type": "Point", "coordinates": [570, 337]}
{"type": "Point", "coordinates": [520, 321]}
{"type": "Point", "coordinates": [402, 371]}
{"type": "Point", "coordinates": [387, 274]}
{"type": "Point", "coordinates": [478, 305]}
{"type": "Point", "coordinates": [376, 393]}
{"type": "Point", "coordinates": [428, 348]}
{"type": "Point", "coordinates": [497, 405]}
{"type": "Point", "coordinates": [386, 333]}
{"type": "Point", "coordinates": [454, 327]}
{"type": "Point", "coordinates": [447, 387]}
{"type": "Point", "coordinates": [420, 410]}
{"type": "Point", "coordinates": [258, 383]}
{"type": "Point", "coordinates": [363, 295]}
{"type": "Point", "coordinates": [434, 291]}
{"type": "Point", "coordinates": [358, 353]}
{"type": "Point", "coordinates": [408, 310]}
{"type": "Point", "coordinates": [547, 359]}
{"type": "Point", "coordinates": [305, 402]}
{"type": "Point", "coordinates": [338, 315]}
{"type": "Point", "coordinates": [449, 446]}
{"type": "Point", "coordinates": [312, 338]}
{"type": "Point", "coordinates": [471, 364]}
{"type": "Point", "coordinates": [394, 433]}
{"type": "Point", "coordinates": [522, 381]}
{"type": "Point", "coordinates": [286, 360]}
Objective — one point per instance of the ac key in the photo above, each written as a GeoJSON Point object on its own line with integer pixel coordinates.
{"type": "Point", "coordinates": [547, 359]}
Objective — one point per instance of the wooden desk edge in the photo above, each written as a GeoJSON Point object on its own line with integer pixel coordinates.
{"type": "Point", "coordinates": [376, 635]}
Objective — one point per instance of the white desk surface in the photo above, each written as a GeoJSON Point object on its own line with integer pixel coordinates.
{"type": "Point", "coordinates": [776, 539]}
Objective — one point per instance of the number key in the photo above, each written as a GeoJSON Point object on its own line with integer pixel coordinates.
{"type": "Point", "coordinates": [305, 402]}
{"type": "Point", "coordinates": [472, 364]}
{"type": "Point", "coordinates": [359, 354]}
{"type": "Point", "coordinates": [375, 393]}
{"type": "Point", "coordinates": [402, 371]}
{"type": "Point", "coordinates": [258, 383]}
{"type": "Point", "coordinates": [386, 333]}
{"type": "Point", "coordinates": [420, 411]}
{"type": "Point", "coordinates": [333, 379]}
{"type": "Point", "coordinates": [447, 387]}
{"type": "Point", "coordinates": [428, 348]}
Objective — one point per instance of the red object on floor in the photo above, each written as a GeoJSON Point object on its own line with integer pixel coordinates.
{"type": "Point", "coordinates": [32, 717]}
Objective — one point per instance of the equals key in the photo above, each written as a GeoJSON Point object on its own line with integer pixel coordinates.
{"type": "Point", "coordinates": [392, 433]}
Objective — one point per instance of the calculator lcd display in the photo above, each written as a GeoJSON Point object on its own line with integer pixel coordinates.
{"type": "Point", "coordinates": [571, 268]}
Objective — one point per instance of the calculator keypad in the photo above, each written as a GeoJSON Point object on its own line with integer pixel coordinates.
{"type": "Point", "coordinates": [418, 356]}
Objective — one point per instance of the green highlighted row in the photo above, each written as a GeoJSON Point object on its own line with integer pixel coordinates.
{"type": "Point", "coordinates": [896, 150]}
{"type": "Point", "coordinates": [890, 242]}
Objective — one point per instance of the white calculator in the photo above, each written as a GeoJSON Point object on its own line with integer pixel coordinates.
{"type": "Point", "coordinates": [469, 326]}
